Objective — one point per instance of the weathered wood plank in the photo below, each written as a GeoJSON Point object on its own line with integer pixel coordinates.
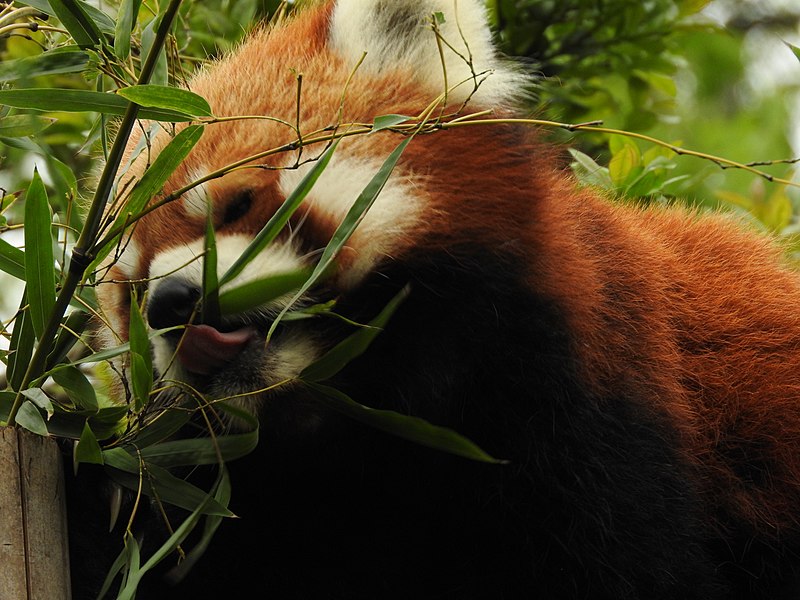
{"type": "Point", "coordinates": [34, 557]}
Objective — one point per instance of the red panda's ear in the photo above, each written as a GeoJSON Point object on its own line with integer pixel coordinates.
{"type": "Point", "coordinates": [399, 34]}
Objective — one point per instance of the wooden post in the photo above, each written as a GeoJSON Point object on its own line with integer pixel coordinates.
{"type": "Point", "coordinates": [34, 556]}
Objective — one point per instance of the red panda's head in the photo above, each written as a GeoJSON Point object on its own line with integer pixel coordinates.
{"type": "Point", "coordinates": [438, 192]}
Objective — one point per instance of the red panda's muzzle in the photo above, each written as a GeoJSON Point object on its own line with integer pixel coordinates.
{"type": "Point", "coordinates": [204, 350]}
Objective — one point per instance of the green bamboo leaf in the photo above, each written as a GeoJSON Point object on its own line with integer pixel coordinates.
{"type": "Point", "coordinates": [6, 402]}
{"type": "Point", "coordinates": [73, 325]}
{"type": "Point", "coordinates": [795, 50]}
{"type": "Point", "coordinates": [348, 225]}
{"type": "Point", "coordinates": [21, 345]}
{"type": "Point", "coordinates": [66, 100]}
{"type": "Point", "coordinates": [167, 423]}
{"type": "Point", "coordinates": [101, 19]}
{"type": "Point", "coordinates": [387, 121]}
{"type": "Point", "coordinates": [281, 216]}
{"type": "Point", "coordinates": [163, 166]}
{"type": "Point", "coordinates": [77, 386]}
{"type": "Point", "coordinates": [39, 261]}
{"type": "Point", "coordinates": [170, 489]}
{"type": "Point", "coordinates": [220, 498]}
{"type": "Point", "coordinates": [356, 344]}
{"type": "Point", "coordinates": [259, 292]}
{"type": "Point", "coordinates": [31, 419]}
{"type": "Point", "coordinates": [68, 59]}
{"type": "Point", "coordinates": [408, 428]}
{"type": "Point", "coordinates": [23, 125]}
{"type": "Point", "coordinates": [87, 450]}
{"type": "Point", "coordinates": [40, 399]}
{"type": "Point", "coordinates": [133, 567]}
{"type": "Point", "coordinates": [123, 560]}
{"type": "Point", "coordinates": [168, 98]}
{"type": "Point", "coordinates": [588, 171]}
{"type": "Point", "coordinates": [152, 182]}
{"type": "Point", "coordinates": [160, 75]}
{"type": "Point", "coordinates": [110, 353]}
{"type": "Point", "coordinates": [105, 423]}
{"type": "Point", "coordinates": [126, 18]}
{"type": "Point", "coordinates": [200, 451]}
{"type": "Point", "coordinates": [141, 360]}
{"type": "Point", "coordinates": [77, 21]}
{"type": "Point", "coordinates": [623, 163]}
{"type": "Point", "coordinates": [221, 495]}
{"type": "Point", "coordinates": [12, 260]}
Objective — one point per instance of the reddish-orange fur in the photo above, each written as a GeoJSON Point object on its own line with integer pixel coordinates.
{"type": "Point", "coordinates": [701, 316]}
{"type": "Point", "coordinates": [692, 315]}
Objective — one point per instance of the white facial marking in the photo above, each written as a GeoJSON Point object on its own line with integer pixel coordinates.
{"type": "Point", "coordinates": [397, 33]}
{"type": "Point", "coordinates": [186, 262]}
{"type": "Point", "coordinates": [196, 201]}
{"type": "Point", "coordinates": [396, 211]}
{"type": "Point", "coordinates": [130, 258]}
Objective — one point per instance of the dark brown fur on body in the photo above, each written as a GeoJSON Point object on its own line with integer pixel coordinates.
{"type": "Point", "coordinates": [639, 368]}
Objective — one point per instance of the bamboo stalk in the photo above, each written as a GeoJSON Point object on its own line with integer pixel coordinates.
{"type": "Point", "coordinates": [34, 552]}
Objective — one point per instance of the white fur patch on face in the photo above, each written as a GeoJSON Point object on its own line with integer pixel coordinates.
{"type": "Point", "coordinates": [196, 201]}
{"type": "Point", "coordinates": [398, 33]}
{"type": "Point", "coordinates": [396, 211]}
{"type": "Point", "coordinates": [130, 258]}
{"type": "Point", "coordinates": [186, 262]}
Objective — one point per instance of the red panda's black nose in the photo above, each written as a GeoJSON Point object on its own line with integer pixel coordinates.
{"type": "Point", "coordinates": [172, 303]}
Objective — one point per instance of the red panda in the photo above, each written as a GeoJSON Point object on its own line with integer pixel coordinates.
{"type": "Point", "coordinates": [638, 368]}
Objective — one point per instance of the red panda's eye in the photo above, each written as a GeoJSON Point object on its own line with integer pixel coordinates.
{"type": "Point", "coordinates": [238, 207]}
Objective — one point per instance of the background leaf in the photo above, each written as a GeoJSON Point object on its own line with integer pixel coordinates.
{"type": "Point", "coordinates": [412, 429]}
{"type": "Point", "coordinates": [39, 260]}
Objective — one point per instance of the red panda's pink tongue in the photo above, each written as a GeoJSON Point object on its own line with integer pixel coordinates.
{"type": "Point", "coordinates": [204, 349]}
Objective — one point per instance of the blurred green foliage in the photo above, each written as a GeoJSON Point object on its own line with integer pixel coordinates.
{"type": "Point", "coordinates": [663, 68]}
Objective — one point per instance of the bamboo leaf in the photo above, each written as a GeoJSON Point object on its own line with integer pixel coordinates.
{"type": "Point", "coordinates": [31, 419]}
{"type": "Point", "coordinates": [281, 216]}
{"type": "Point", "coordinates": [152, 182]}
{"type": "Point", "coordinates": [387, 121]}
{"type": "Point", "coordinates": [77, 386]}
{"type": "Point", "coordinates": [220, 498]}
{"type": "Point", "coordinates": [126, 18]}
{"type": "Point", "coordinates": [201, 451]}
{"type": "Point", "coordinates": [88, 449]}
{"type": "Point", "coordinates": [66, 100]}
{"type": "Point", "coordinates": [6, 402]}
{"type": "Point", "coordinates": [73, 325]}
{"type": "Point", "coordinates": [168, 98]}
{"type": "Point", "coordinates": [77, 21]}
{"type": "Point", "coordinates": [23, 125]}
{"type": "Point", "coordinates": [167, 423]}
{"type": "Point", "coordinates": [259, 292]}
{"type": "Point", "coordinates": [40, 399]}
{"type": "Point", "coordinates": [348, 225]}
{"type": "Point", "coordinates": [221, 495]}
{"type": "Point", "coordinates": [795, 50]}
{"type": "Point", "coordinates": [337, 357]}
{"type": "Point", "coordinates": [39, 261]}
{"type": "Point", "coordinates": [163, 166]}
{"type": "Point", "coordinates": [160, 75]}
{"type": "Point", "coordinates": [412, 429]}
{"type": "Point", "coordinates": [171, 489]}
{"type": "Point", "coordinates": [12, 260]}
{"type": "Point", "coordinates": [68, 59]}
{"type": "Point", "coordinates": [21, 344]}
{"type": "Point", "coordinates": [101, 19]}
{"type": "Point", "coordinates": [141, 360]}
